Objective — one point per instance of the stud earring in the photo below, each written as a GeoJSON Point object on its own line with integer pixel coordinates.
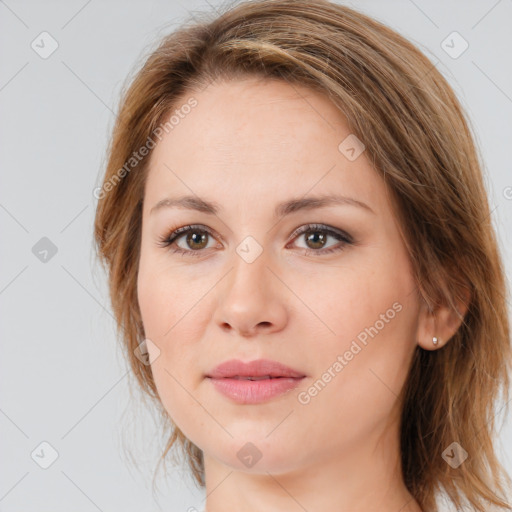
{"type": "Point", "coordinates": [434, 340]}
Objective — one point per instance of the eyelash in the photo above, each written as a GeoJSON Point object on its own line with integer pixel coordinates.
{"type": "Point", "coordinates": [173, 236]}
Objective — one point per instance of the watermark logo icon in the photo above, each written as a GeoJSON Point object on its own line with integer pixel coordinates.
{"type": "Point", "coordinates": [249, 454]}
{"type": "Point", "coordinates": [147, 352]}
{"type": "Point", "coordinates": [44, 455]}
{"type": "Point", "coordinates": [454, 45]}
{"type": "Point", "coordinates": [249, 249]}
{"type": "Point", "coordinates": [351, 147]}
{"type": "Point", "coordinates": [44, 45]}
{"type": "Point", "coordinates": [44, 250]}
{"type": "Point", "coordinates": [455, 455]}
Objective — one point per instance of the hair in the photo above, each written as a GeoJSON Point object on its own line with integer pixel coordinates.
{"type": "Point", "coordinates": [419, 140]}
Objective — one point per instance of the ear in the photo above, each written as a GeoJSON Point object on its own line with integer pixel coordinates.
{"type": "Point", "coordinates": [442, 323]}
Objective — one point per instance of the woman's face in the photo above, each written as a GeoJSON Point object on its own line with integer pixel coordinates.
{"type": "Point", "coordinates": [337, 302]}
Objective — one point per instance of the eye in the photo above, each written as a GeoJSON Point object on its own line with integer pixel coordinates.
{"type": "Point", "coordinates": [196, 239]}
{"type": "Point", "coordinates": [317, 236]}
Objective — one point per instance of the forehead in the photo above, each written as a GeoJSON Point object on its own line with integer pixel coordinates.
{"type": "Point", "coordinates": [256, 138]}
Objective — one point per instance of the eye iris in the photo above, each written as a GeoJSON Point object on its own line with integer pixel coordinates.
{"type": "Point", "coordinates": [313, 238]}
{"type": "Point", "coordinates": [200, 239]}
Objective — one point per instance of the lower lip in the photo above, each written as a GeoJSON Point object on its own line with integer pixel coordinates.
{"type": "Point", "coordinates": [254, 391]}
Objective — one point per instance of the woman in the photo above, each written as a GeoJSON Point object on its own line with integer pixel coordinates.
{"type": "Point", "coordinates": [303, 266]}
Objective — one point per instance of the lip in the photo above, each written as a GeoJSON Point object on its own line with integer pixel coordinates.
{"type": "Point", "coordinates": [230, 379]}
{"type": "Point", "coordinates": [256, 368]}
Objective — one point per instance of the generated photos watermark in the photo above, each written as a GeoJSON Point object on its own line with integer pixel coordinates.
{"type": "Point", "coordinates": [357, 345]}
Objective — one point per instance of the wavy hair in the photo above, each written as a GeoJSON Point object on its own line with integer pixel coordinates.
{"type": "Point", "coordinates": [420, 141]}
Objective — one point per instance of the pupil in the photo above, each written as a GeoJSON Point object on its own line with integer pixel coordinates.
{"type": "Point", "coordinates": [196, 238]}
{"type": "Point", "coordinates": [311, 238]}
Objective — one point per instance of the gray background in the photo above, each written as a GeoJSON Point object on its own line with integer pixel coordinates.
{"type": "Point", "coordinates": [63, 377]}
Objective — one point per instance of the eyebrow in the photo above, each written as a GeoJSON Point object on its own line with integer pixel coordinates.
{"type": "Point", "coordinates": [282, 209]}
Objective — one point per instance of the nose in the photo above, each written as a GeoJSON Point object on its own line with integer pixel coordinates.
{"type": "Point", "coordinates": [252, 300]}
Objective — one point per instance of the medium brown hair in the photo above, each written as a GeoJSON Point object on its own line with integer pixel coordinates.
{"type": "Point", "coordinates": [419, 140]}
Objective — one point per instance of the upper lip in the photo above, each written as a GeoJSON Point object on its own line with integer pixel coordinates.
{"type": "Point", "coordinates": [256, 368]}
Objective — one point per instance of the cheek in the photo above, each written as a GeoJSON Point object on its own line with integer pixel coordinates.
{"type": "Point", "coordinates": [347, 299]}
{"type": "Point", "coordinates": [164, 316]}
{"type": "Point", "coordinates": [164, 299]}
{"type": "Point", "coordinates": [361, 371]}
{"type": "Point", "coordinates": [171, 314]}
{"type": "Point", "coordinates": [372, 317]}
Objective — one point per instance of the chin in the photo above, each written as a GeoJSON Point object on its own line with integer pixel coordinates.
{"type": "Point", "coordinates": [256, 454]}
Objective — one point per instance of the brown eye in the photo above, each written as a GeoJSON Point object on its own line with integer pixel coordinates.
{"type": "Point", "coordinates": [317, 239]}
{"type": "Point", "coordinates": [197, 241]}
{"type": "Point", "coordinates": [316, 236]}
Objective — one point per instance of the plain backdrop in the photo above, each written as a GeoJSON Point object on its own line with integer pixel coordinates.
{"type": "Point", "coordinates": [64, 382]}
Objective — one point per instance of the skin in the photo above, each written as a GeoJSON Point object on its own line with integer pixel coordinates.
{"type": "Point", "coordinates": [248, 145]}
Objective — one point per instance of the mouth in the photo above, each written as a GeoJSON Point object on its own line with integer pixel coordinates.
{"type": "Point", "coordinates": [254, 382]}
{"type": "Point", "coordinates": [254, 390]}
{"type": "Point", "coordinates": [266, 377]}
{"type": "Point", "coordinates": [258, 369]}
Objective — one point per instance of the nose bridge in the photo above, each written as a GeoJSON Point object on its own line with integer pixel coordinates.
{"type": "Point", "coordinates": [250, 275]}
{"type": "Point", "coordinates": [250, 297]}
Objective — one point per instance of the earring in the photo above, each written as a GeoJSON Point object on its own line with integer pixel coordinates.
{"type": "Point", "coordinates": [434, 340]}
